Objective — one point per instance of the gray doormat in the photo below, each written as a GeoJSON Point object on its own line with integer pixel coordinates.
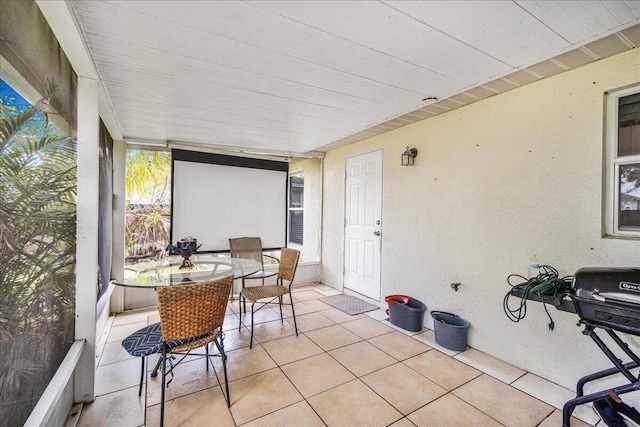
{"type": "Point", "coordinates": [348, 304]}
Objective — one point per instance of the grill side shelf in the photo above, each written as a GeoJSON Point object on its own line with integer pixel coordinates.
{"type": "Point", "coordinates": [561, 302]}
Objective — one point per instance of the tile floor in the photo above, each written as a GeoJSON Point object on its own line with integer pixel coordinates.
{"type": "Point", "coordinates": [340, 371]}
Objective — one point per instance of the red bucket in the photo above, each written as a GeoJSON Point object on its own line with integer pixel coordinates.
{"type": "Point", "coordinates": [394, 299]}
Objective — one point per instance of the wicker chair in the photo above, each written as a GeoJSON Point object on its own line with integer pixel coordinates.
{"type": "Point", "coordinates": [250, 248]}
{"type": "Point", "coordinates": [286, 271]}
{"type": "Point", "coordinates": [191, 317]}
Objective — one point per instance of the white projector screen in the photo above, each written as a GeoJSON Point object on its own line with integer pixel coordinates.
{"type": "Point", "coordinates": [217, 197]}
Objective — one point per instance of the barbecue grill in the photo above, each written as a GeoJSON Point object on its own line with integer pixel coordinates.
{"type": "Point", "coordinates": [609, 299]}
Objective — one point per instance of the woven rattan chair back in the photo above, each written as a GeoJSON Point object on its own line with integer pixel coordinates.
{"type": "Point", "coordinates": [288, 264]}
{"type": "Point", "coordinates": [246, 247]}
{"type": "Point", "coordinates": [193, 310]}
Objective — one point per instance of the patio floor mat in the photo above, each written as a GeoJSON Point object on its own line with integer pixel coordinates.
{"type": "Point", "coordinates": [348, 304]}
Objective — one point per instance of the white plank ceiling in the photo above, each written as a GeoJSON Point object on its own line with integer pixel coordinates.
{"type": "Point", "coordinates": [297, 77]}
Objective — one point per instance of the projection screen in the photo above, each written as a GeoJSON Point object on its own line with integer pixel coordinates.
{"type": "Point", "coordinates": [216, 197]}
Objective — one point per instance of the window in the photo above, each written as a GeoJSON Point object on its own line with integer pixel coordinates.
{"type": "Point", "coordinates": [623, 150]}
{"type": "Point", "coordinates": [296, 208]}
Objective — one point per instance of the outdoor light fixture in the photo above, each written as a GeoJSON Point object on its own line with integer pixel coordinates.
{"type": "Point", "coordinates": [408, 156]}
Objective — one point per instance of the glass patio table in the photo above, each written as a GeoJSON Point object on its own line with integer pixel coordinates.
{"type": "Point", "coordinates": [167, 271]}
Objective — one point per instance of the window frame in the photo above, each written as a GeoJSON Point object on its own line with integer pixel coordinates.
{"type": "Point", "coordinates": [294, 209]}
{"type": "Point", "coordinates": [614, 162]}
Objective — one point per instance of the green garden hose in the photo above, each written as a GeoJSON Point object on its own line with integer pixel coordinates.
{"type": "Point", "coordinates": [546, 284]}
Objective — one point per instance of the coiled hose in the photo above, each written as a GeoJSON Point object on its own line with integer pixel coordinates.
{"type": "Point", "coordinates": [545, 284]}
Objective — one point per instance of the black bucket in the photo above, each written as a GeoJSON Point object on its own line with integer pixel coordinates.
{"type": "Point", "coordinates": [450, 329]}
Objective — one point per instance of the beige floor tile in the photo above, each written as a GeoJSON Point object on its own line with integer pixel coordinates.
{"type": "Point", "coordinates": [263, 315]}
{"type": "Point", "coordinates": [188, 377]}
{"type": "Point", "coordinates": [230, 322]}
{"type": "Point", "coordinates": [399, 329]}
{"type": "Point", "coordinates": [198, 409]}
{"type": "Point", "coordinates": [118, 333]}
{"type": "Point", "coordinates": [441, 369]}
{"type": "Point", "coordinates": [548, 392]}
{"type": "Point", "coordinates": [306, 295]}
{"type": "Point", "coordinates": [404, 422]}
{"type": "Point", "coordinates": [316, 374]}
{"type": "Point", "coordinates": [232, 306]}
{"type": "Point", "coordinates": [122, 408]}
{"type": "Point", "coordinates": [133, 316]}
{"type": "Point", "coordinates": [118, 376]}
{"type": "Point", "coordinates": [586, 414]}
{"type": "Point", "coordinates": [305, 287]}
{"type": "Point", "coordinates": [399, 345]}
{"type": "Point", "coordinates": [299, 415]}
{"type": "Point", "coordinates": [428, 337]}
{"type": "Point", "coordinates": [114, 352]}
{"type": "Point", "coordinates": [353, 404]}
{"type": "Point", "coordinates": [291, 349]}
{"type": "Point", "coordinates": [504, 403]}
{"type": "Point", "coordinates": [270, 331]}
{"type": "Point", "coordinates": [377, 314]}
{"type": "Point", "coordinates": [198, 354]}
{"type": "Point", "coordinates": [234, 340]}
{"type": "Point", "coordinates": [300, 307]}
{"type": "Point", "coordinates": [333, 337]}
{"type": "Point", "coordinates": [329, 293]}
{"type": "Point", "coordinates": [362, 358]}
{"type": "Point", "coordinates": [555, 420]}
{"type": "Point", "coordinates": [367, 327]}
{"type": "Point", "coordinates": [320, 287]}
{"type": "Point", "coordinates": [340, 316]}
{"type": "Point", "coordinates": [490, 365]}
{"type": "Point", "coordinates": [403, 388]}
{"type": "Point", "coordinates": [261, 394]}
{"type": "Point", "coordinates": [554, 395]}
{"type": "Point", "coordinates": [311, 321]}
{"type": "Point", "coordinates": [317, 305]}
{"type": "Point", "coordinates": [245, 362]}
{"type": "Point", "coordinates": [450, 411]}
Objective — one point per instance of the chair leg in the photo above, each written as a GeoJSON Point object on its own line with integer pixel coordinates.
{"type": "Point", "coordinates": [244, 299]}
{"type": "Point", "coordinates": [206, 359]}
{"type": "Point", "coordinates": [280, 304]}
{"type": "Point", "coordinates": [293, 311]}
{"type": "Point", "coordinates": [141, 377]}
{"type": "Point", "coordinates": [154, 373]}
{"type": "Point", "coordinates": [251, 342]}
{"type": "Point", "coordinates": [223, 355]}
{"type": "Point", "coordinates": [164, 385]}
{"type": "Point", "coordinates": [240, 312]}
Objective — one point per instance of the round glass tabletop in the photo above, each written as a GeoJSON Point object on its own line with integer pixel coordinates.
{"type": "Point", "coordinates": [167, 271]}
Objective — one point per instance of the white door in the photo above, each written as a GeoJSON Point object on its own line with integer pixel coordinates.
{"type": "Point", "coordinates": [363, 211]}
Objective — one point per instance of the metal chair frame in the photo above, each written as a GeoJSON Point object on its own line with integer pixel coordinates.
{"type": "Point", "coordinates": [288, 265]}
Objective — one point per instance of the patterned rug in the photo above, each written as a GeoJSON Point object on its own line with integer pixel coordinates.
{"type": "Point", "coordinates": [348, 304]}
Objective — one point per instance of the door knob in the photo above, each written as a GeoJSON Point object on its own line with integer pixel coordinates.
{"type": "Point", "coordinates": [376, 233]}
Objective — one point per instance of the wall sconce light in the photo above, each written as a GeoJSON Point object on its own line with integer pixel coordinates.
{"type": "Point", "coordinates": [408, 156]}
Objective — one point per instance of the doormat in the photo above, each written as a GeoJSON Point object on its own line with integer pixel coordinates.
{"type": "Point", "coordinates": [348, 304]}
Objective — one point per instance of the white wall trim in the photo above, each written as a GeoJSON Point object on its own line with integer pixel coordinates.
{"type": "Point", "coordinates": [87, 234]}
{"type": "Point", "coordinates": [48, 403]}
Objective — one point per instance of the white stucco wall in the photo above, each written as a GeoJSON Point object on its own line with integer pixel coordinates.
{"type": "Point", "coordinates": [495, 184]}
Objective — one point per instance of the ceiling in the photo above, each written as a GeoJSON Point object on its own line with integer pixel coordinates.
{"type": "Point", "coordinates": [301, 77]}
